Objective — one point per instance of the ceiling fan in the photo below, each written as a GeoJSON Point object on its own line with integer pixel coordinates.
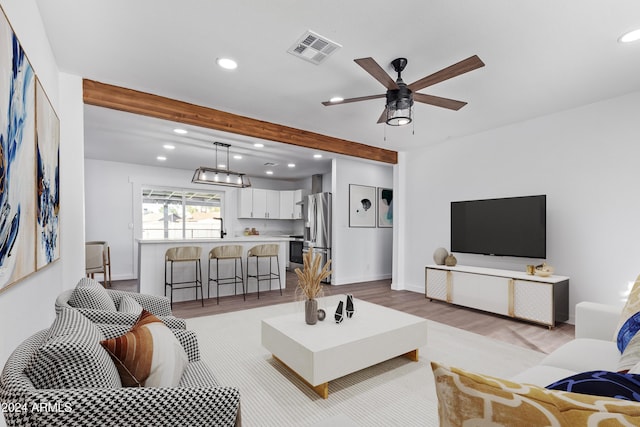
{"type": "Point", "coordinates": [400, 96]}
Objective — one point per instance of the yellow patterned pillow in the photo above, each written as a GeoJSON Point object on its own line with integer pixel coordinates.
{"type": "Point", "coordinates": [465, 398]}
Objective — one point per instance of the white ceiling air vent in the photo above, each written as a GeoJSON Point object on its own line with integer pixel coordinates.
{"type": "Point", "coordinates": [313, 47]}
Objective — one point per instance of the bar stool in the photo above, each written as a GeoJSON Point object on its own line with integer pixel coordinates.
{"type": "Point", "coordinates": [269, 251]}
{"type": "Point", "coordinates": [98, 260]}
{"type": "Point", "coordinates": [221, 253]}
{"type": "Point", "coordinates": [183, 254]}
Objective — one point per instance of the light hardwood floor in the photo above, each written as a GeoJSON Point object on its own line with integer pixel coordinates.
{"type": "Point", "coordinates": [501, 328]}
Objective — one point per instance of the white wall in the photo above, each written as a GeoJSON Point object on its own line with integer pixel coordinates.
{"type": "Point", "coordinates": [359, 254]}
{"type": "Point", "coordinates": [28, 306]}
{"type": "Point", "coordinates": [113, 207]}
{"type": "Point", "coordinates": [585, 160]}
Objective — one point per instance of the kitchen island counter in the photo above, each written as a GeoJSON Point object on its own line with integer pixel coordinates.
{"type": "Point", "coordinates": [151, 264]}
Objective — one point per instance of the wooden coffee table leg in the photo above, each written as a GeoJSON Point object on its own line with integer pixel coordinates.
{"type": "Point", "coordinates": [322, 389]}
{"type": "Point", "coordinates": [412, 355]}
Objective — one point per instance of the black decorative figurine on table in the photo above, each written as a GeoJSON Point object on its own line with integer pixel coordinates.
{"type": "Point", "coordinates": [350, 310]}
{"type": "Point", "coordinates": [338, 316]}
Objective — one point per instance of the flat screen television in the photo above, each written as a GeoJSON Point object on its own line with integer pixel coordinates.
{"type": "Point", "coordinates": [514, 226]}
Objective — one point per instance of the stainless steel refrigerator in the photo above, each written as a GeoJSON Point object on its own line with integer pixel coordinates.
{"type": "Point", "coordinates": [317, 226]}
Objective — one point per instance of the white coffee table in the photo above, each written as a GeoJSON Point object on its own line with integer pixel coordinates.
{"type": "Point", "coordinates": [325, 351]}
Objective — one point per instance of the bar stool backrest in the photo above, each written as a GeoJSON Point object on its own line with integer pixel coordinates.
{"type": "Point", "coordinates": [94, 257]}
{"type": "Point", "coordinates": [270, 249]}
{"type": "Point", "coordinates": [183, 253]}
{"type": "Point", "coordinates": [226, 251]}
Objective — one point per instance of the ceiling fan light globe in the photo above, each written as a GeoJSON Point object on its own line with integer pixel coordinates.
{"type": "Point", "coordinates": [398, 117]}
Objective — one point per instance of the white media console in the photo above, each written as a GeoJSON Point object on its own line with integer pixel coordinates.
{"type": "Point", "coordinates": [543, 300]}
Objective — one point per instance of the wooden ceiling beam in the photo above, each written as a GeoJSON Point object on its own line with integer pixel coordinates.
{"type": "Point", "coordinates": [132, 101]}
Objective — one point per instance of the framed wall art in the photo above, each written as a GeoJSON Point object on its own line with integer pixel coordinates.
{"type": "Point", "coordinates": [362, 206]}
{"type": "Point", "coordinates": [385, 207]}
{"type": "Point", "coordinates": [17, 154]}
{"type": "Point", "coordinates": [47, 180]}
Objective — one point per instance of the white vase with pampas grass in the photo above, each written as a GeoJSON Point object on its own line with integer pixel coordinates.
{"type": "Point", "coordinates": [309, 283]}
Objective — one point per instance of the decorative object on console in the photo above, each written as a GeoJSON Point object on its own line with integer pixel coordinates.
{"type": "Point", "coordinates": [450, 261]}
{"type": "Point", "coordinates": [439, 255]}
{"type": "Point", "coordinates": [338, 316]}
{"type": "Point", "coordinates": [544, 270]}
{"type": "Point", "coordinates": [309, 283]}
{"type": "Point", "coordinates": [531, 270]}
{"type": "Point", "coordinates": [350, 310]}
{"type": "Point", "coordinates": [321, 314]}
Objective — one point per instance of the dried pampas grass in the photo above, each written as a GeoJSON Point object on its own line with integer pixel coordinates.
{"type": "Point", "coordinates": [311, 275]}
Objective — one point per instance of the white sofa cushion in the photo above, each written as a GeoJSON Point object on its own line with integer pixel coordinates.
{"type": "Point", "coordinates": [541, 375]}
{"type": "Point", "coordinates": [584, 354]}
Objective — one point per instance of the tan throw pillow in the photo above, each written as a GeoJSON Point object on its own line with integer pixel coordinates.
{"type": "Point", "coordinates": [465, 398]}
{"type": "Point", "coordinates": [149, 355]}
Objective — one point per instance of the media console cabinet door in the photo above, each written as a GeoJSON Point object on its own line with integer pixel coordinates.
{"type": "Point", "coordinates": [436, 284]}
{"type": "Point", "coordinates": [533, 301]}
{"type": "Point", "coordinates": [488, 293]}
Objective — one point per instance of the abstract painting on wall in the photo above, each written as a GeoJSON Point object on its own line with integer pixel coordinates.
{"type": "Point", "coordinates": [47, 180]}
{"type": "Point", "coordinates": [362, 206]}
{"type": "Point", "coordinates": [17, 154]}
{"type": "Point", "coordinates": [385, 207]}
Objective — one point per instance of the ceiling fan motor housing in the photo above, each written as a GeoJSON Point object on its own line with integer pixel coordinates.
{"type": "Point", "coordinates": [401, 98]}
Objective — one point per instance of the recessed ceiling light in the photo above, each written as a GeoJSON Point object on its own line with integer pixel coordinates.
{"type": "Point", "coordinates": [181, 131]}
{"type": "Point", "coordinates": [631, 36]}
{"type": "Point", "coordinates": [161, 158]}
{"type": "Point", "coordinates": [317, 156]}
{"type": "Point", "coordinates": [258, 145]}
{"type": "Point", "coordinates": [237, 156]}
{"type": "Point", "coordinates": [227, 63]}
{"type": "Point", "coordinates": [336, 99]}
{"type": "Point", "coordinates": [169, 147]}
{"type": "Point", "coordinates": [291, 165]}
{"type": "Point", "coordinates": [222, 166]}
{"type": "Point", "coordinates": [269, 172]}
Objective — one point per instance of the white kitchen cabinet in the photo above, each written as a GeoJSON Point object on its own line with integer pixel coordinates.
{"type": "Point", "coordinates": [287, 204]}
{"type": "Point", "coordinates": [289, 207]}
{"type": "Point", "coordinates": [297, 207]}
{"type": "Point", "coordinates": [245, 203]}
{"type": "Point", "coordinates": [515, 294]}
{"type": "Point", "coordinates": [258, 203]}
{"type": "Point", "coordinates": [273, 204]}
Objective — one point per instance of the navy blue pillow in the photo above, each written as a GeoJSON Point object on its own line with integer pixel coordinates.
{"type": "Point", "coordinates": [627, 331]}
{"type": "Point", "coordinates": [601, 383]}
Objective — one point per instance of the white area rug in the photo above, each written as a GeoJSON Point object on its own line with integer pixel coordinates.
{"type": "Point", "coordinates": [394, 393]}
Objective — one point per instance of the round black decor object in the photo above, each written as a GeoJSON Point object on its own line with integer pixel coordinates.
{"type": "Point", "coordinates": [321, 314]}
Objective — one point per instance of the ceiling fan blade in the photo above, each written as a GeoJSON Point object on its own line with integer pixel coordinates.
{"type": "Point", "coordinates": [348, 100]}
{"type": "Point", "coordinates": [383, 116]}
{"type": "Point", "coordinates": [454, 70]}
{"type": "Point", "coordinates": [372, 67]}
{"type": "Point", "coordinates": [451, 104]}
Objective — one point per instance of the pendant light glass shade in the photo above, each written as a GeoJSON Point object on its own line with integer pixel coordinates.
{"type": "Point", "coordinates": [399, 117]}
{"type": "Point", "coordinates": [217, 176]}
